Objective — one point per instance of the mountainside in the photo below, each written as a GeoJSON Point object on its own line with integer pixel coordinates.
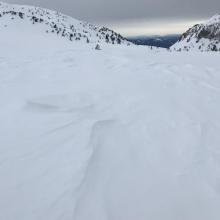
{"type": "Point", "coordinates": [202, 37]}
{"type": "Point", "coordinates": [156, 41]}
{"type": "Point", "coordinates": [52, 22]}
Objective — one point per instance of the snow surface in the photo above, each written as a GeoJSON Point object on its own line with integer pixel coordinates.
{"type": "Point", "coordinates": [122, 133]}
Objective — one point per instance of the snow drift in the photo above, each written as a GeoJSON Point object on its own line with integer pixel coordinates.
{"type": "Point", "coordinates": [121, 133]}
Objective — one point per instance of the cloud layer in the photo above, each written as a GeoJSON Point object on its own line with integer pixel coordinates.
{"type": "Point", "coordinates": [117, 11]}
{"type": "Point", "coordinates": [114, 10]}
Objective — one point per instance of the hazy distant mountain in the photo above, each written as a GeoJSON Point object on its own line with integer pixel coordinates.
{"type": "Point", "coordinates": [158, 41]}
{"type": "Point", "coordinates": [203, 37]}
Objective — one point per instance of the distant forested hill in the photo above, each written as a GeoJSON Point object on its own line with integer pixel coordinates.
{"type": "Point", "coordinates": [157, 41]}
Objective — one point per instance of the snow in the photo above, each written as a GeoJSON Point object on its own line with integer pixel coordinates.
{"type": "Point", "coordinates": [201, 37]}
{"type": "Point", "coordinates": [122, 133]}
{"type": "Point", "coordinates": [213, 20]}
{"type": "Point", "coordinates": [44, 21]}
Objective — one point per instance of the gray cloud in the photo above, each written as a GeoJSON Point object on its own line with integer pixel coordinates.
{"type": "Point", "coordinates": [117, 10]}
{"type": "Point", "coordinates": [134, 17]}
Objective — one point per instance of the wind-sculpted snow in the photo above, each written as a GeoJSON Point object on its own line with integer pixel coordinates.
{"type": "Point", "coordinates": [121, 133]}
{"type": "Point", "coordinates": [201, 37]}
{"type": "Point", "coordinates": [52, 22]}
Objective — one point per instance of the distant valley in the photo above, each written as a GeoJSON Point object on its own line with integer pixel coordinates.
{"type": "Point", "coordinates": [157, 41]}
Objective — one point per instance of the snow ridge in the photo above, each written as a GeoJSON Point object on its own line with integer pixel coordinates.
{"type": "Point", "coordinates": [201, 37]}
{"type": "Point", "coordinates": [59, 24]}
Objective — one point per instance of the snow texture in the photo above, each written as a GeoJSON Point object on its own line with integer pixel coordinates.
{"type": "Point", "coordinates": [121, 133]}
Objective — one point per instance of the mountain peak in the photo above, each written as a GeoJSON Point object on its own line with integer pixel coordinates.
{"type": "Point", "coordinates": [201, 37]}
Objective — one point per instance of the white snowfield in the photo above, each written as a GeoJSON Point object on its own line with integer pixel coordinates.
{"type": "Point", "coordinates": [124, 133]}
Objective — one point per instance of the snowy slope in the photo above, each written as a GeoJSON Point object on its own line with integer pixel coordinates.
{"type": "Point", "coordinates": [124, 133]}
{"type": "Point", "coordinates": [51, 22]}
{"type": "Point", "coordinates": [201, 37]}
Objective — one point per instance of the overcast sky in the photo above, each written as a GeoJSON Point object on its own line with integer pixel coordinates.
{"type": "Point", "coordinates": [135, 17]}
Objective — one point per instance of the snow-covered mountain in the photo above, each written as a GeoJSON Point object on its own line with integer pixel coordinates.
{"type": "Point", "coordinates": [203, 37]}
{"type": "Point", "coordinates": [52, 22]}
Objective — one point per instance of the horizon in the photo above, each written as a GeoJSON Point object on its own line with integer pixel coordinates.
{"type": "Point", "coordinates": [155, 27]}
{"type": "Point", "coordinates": [144, 19]}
